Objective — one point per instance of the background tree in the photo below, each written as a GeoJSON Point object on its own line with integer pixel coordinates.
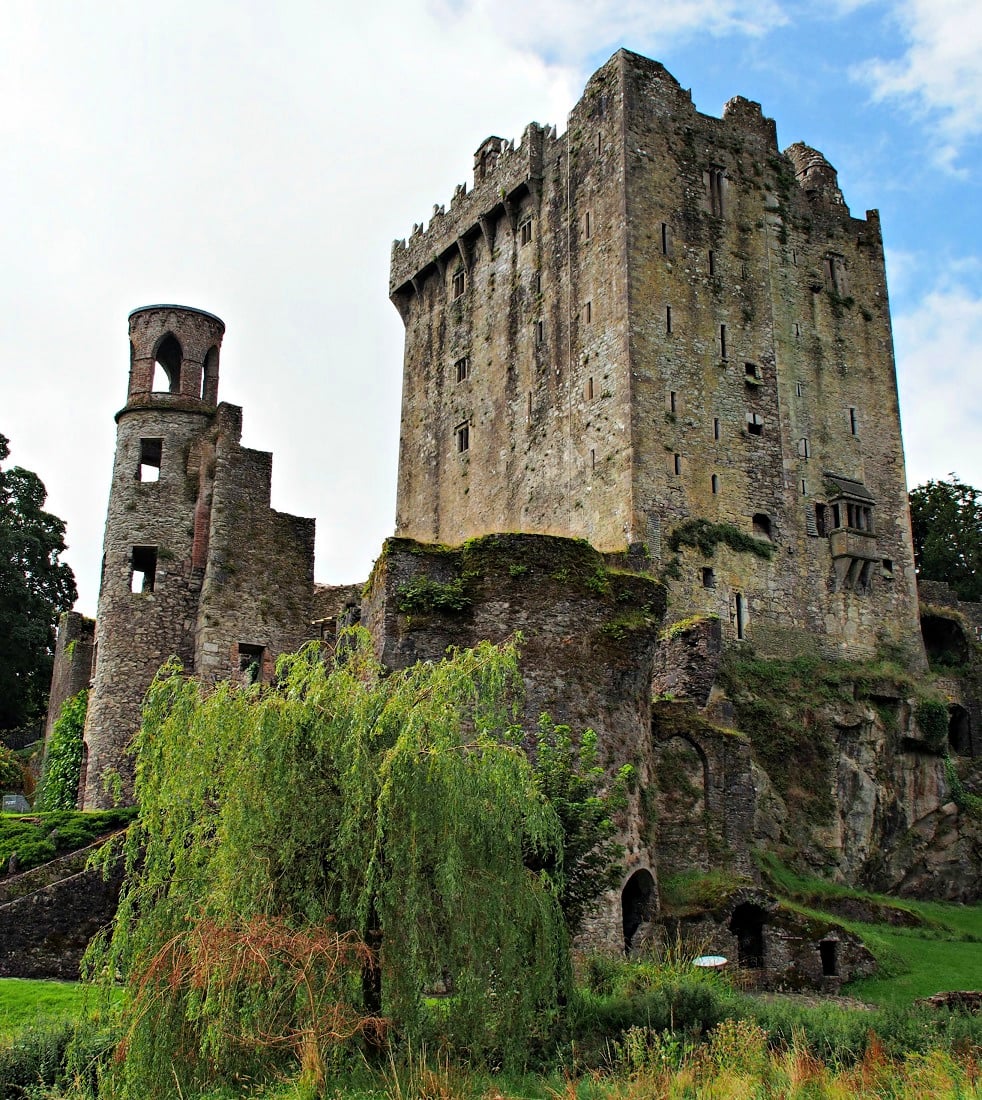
{"type": "Point", "coordinates": [35, 587]}
{"type": "Point", "coordinates": [946, 519]}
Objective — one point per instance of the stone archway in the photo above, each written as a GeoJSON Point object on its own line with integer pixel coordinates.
{"type": "Point", "coordinates": [637, 905]}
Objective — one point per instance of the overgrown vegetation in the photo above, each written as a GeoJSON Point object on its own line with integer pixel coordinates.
{"type": "Point", "coordinates": [58, 789]}
{"type": "Point", "coordinates": [348, 859]}
{"type": "Point", "coordinates": [37, 838]}
{"type": "Point", "coordinates": [423, 596]}
{"type": "Point", "coordinates": [706, 536]}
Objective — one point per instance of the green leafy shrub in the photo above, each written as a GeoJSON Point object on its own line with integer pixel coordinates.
{"type": "Point", "coordinates": [37, 838]}
{"type": "Point", "coordinates": [11, 773]}
{"type": "Point", "coordinates": [423, 596]}
{"type": "Point", "coordinates": [706, 536]}
{"type": "Point", "coordinates": [931, 716]}
{"type": "Point", "coordinates": [63, 763]}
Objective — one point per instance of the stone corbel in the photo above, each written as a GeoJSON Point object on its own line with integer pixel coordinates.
{"type": "Point", "coordinates": [486, 222]}
{"type": "Point", "coordinates": [512, 211]}
{"type": "Point", "coordinates": [465, 253]}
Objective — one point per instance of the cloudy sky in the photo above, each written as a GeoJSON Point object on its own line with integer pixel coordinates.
{"type": "Point", "coordinates": [258, 165]}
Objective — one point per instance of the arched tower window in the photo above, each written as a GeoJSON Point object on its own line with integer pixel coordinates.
{"type": "Point", "coordinates": [167, 366]}
{"type": "Point", "coordinates": [209, 377]}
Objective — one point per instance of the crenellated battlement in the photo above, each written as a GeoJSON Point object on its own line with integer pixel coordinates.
{"type": "Point", "coordinates": [503, 174]}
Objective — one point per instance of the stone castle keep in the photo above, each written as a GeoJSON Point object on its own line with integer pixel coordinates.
{"type": "Point", "coordinates": [655, 334]}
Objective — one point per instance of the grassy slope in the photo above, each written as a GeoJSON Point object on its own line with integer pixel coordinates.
{"type": "Point", "coordinates": [24, 1003]}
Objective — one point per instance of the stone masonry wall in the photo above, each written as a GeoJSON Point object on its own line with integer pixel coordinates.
{"type": "Point", "coordinates": [588, 635]}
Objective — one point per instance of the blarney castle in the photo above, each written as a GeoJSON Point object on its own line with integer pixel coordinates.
{"type": "Point", "coordinates": [650, 419]}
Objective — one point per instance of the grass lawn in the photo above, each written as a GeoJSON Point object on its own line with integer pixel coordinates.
{"type": "Point", "coordinates": [24, 1002]}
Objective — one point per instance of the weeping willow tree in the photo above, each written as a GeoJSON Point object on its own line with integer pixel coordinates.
{"type": "Point", "coordinates": [346, 854]}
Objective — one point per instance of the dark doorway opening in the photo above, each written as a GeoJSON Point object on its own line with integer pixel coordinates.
{"type": "Point", "coordinates": [637, 904]}
{"type": "Point", "coordinates": [959, 731]}
{"type": "Point", "coordinates": [829, 951]}
{"type": "Point", "coordinates": [747, 924]}
{"type": "Point", "coordinates": [945, 641]}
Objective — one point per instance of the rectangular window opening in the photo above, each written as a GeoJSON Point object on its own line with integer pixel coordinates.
{"type": "Point", "coordinates": [755, 424]}
{"type": "Point", "coordinates": [525, 232]}
{"type": "Point", "coordinates": [887, 568]}
{"type": "Point", "coordinates": [673, 401]}
{"type": "Point", "coordinates": [853, 421]}
{"type": "Point", "coordinates": [804, 448]}
{"type": "Point", "coordinates": [251, 662]}
{"type": "Point", "coordinates": [799, 389]}
{"type": "Point", "coordinates": [715, 484]}
{"type": "Point", "coordinates": [589, 389]}
{"type": "Point", "coordinates": [716, 428]}
{"type": "Point", "coordinates": [458, 283]}
{"type": "Point", "coordinates": [462, 435]}
{"type": "Point", "coordinates": [151, 453]}
{"type": "Point", "coordinates": [715, 191]}
{"type": "Point", "coordinates": [677, 463]}
{"type": "Point", "coordinates": [722, 342]}
{"type": "Point", "coordinates": [143, 563]}
{"type": "Point", "coordinates": [463, 368]}
{"type": "Point", "coordinates": [741, 615]}
{"type": "Point", "coordinates": [708, 578]}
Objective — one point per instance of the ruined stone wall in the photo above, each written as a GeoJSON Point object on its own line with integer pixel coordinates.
{"type": "Point", "coordinates": [259, 578]}
{"type": "Point", "coordinates": [72, 668]}
{"type": "Point", "coordinates": [588, 636]}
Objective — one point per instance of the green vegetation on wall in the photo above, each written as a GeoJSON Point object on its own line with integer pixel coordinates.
{"type": "Point", "coordinates": [63, 761]}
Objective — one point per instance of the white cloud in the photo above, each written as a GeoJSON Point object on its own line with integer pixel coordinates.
{"type": "Point", "coordinates": [939, 358]}
{"type": "Point", "coordinates": [939, 76]}
{"type": "Point", "coordinates": [575, 30]}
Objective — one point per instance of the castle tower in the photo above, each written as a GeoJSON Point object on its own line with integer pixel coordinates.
{"type": "Point", "coordinates": [658, 331]}
{"type": "Point", "coordinates": [157, 528]}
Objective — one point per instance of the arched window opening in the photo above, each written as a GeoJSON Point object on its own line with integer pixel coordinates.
{"type": "Point", "coordinates": [829, 952]}
{"type": "Point", "coordinates": [762, 526]}
{"type": "Point", "coordinates": [747, 924]}
{"type": "Point", "coordinates": [209, 377]}
{"type": "Point", "coordinates": [167, 367]}
{"type": "Point", "coordinates": [637, 905]}
{"type": "Point", "coordinates": [959, 731]}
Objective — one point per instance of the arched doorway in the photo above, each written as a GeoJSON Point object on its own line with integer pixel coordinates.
{"type": "Point", "coordinates": [747, 924]}
{"type": "Point", "coordinates": [959, 731]}
{"type": "Point", "coordinates": [637, 904]}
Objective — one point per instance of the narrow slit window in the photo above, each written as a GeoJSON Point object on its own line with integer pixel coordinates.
{"type": "Point", "coordinates": [794, 258]}
{"type": "Point", "coordinates": [741, 615]}
{"type": "Point", "coordinates": [664, 238]}
{"type": "Point", "coordinates": [458, 283]}
{"type": "Point", "coordinates": [797, 331]}
{"type": "Point", "coordinates": [593, 459]}
{"type": "Point", "coordinates": [668, 319]}
{"type": "Point", "coordinates": [540, 332]}
{"type": "Point", "coordinates": [712, 262]}
{"type": "Point", "coordinates": [853, 421]}
{"type": "Point", "coordinates": [714, 188]}
{"type": "Point", "coordinates": [537, 283]}
{"type": "Point", "coordinates": [587, 227]}
{"type": "Point", "coordinates": [677, 463]}
{"type": "Point", "coordinates": [673, 401]}
{"type": "Point", "coordinates": [151, 453]}
{"type": "Point", "coordinates": [587, 312]}
{"type": "Point", "coordinates": [799, 389]}
{"type": "Point", "coordinates": [804, 448]}
{"type": "Point", "coordinates": [529, 413]}
{"type": "Point", "coordinates": [600, 143]}
{"type": "Point", "coordinates": [804, 487]}
{"type": "Point", "coordinates": [716, 428]}
{"type": "Point", "coordinates": [462, 436]}
{"type": "Point", "coordinates": [525, 232]}
{"type": "Point", "coordinates": [722, 342]}
{"type": "Point", "coordinates": [589, 389]}
{"type": "Point", "coordinates": [463, 368]}
{"type": "Point", "coordinates": [715, 484]}
{"type": "Point", "coordinates": [143, 568]}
